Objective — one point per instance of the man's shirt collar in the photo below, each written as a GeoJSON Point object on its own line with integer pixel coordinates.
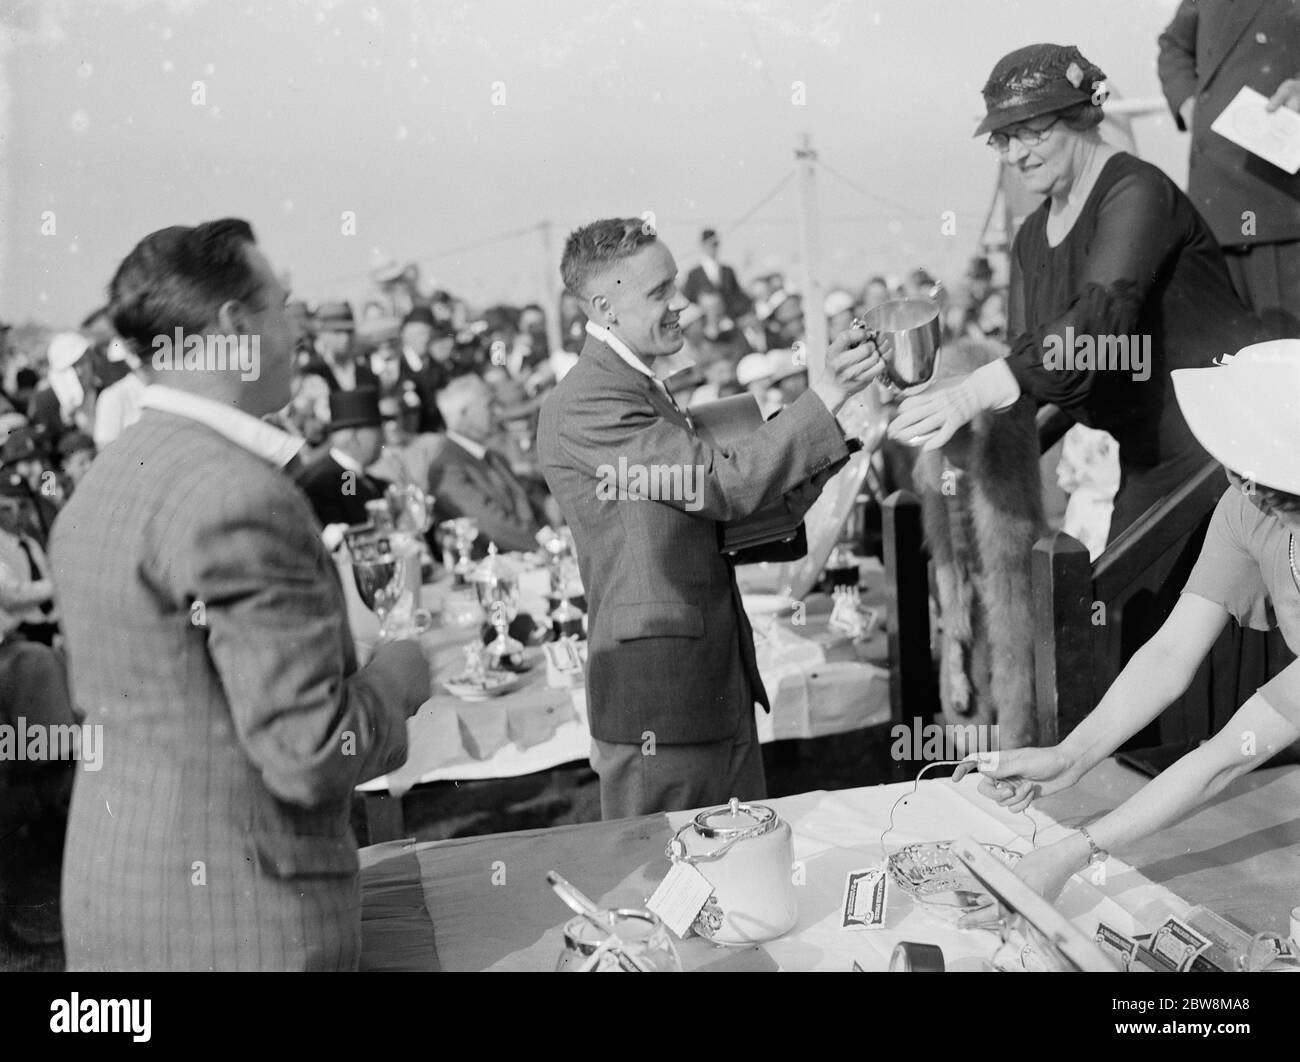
{"type": "Point", "coordinates": [243, 429]}
{"type": "Point", "coordinates": [476, 450]}
{"type": "Point", "coordinates": [618, 347]}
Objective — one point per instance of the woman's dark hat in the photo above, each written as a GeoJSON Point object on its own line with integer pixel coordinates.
{"type": "Point", "coordinates": [355, 409]}
{"type": "Point", "coordinates": [1036, 80]}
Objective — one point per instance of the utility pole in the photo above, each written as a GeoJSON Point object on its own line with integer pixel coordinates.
{"type": "Point", "coordinates": [550, 287]}
{"type": "Point", "coordinates": [810, 250]}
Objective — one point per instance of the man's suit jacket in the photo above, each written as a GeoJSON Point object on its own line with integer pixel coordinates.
{"type": "Point", "coordinates": [336, 500]}
{"type": "Point", "coordinates": [733, 295]}
{"type": "Point", "coordinates": [428, 380]}
{"type": "Point", "coordinates": [206, 632]}
{"type": "Point", "coordinates": [464, 485]}
{"type": "Point", "coordinates": [671, 650]}
{"type": "Point", "coordinates": [1209, 51]}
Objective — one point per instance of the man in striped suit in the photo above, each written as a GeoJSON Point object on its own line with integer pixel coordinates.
{"type": "Point", "coordinates": [206, 632]}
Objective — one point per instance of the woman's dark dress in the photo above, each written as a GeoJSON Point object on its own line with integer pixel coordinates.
{"type": "Point", "coordinates": [1139, 262]}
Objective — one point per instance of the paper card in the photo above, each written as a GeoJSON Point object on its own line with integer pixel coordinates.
{"type": "Point", "coordinates": [865, 899]}
{"type": "Point", "coordinates": [1178, 944]}
{"type": "Point", "coordinates": [1121, 948]}
{"type": "Point", "coordinates": [564, 668]}
{"type": "Point", "coordinates": [680, 897]}
{"type": "Point", "coordinates": [1273, 137]}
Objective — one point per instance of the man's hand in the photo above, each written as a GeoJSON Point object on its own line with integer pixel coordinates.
{"type": "Point", "coordinates": [1016, 777]}
{"type": "Point", "coordinates": [1185, 111]}
{"type": "Point", "coordinates": [1287, 95]}
{"type": "Point", "coordinates": [404, 661]}
{"type": "Point", "coordinates": [852, 362]}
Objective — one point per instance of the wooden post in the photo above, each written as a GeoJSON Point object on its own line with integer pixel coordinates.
{"type": "Point", "coordinates": [814, 316]}
{"type": "Point", "coordinates": [913, 685]}
{"type": "Point", "coordinates": [1064, 635]}
{"type": "Point", "coordinates": [551, 288]}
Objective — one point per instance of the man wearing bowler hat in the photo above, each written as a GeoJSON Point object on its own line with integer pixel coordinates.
{"type": "Point", "coordinates": [337, 484]}
{"type": "Point", "coordinates": [336, 361]}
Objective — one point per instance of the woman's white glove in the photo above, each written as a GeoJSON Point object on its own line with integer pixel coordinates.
{"type": "Point", "coordinates": [933, 417]}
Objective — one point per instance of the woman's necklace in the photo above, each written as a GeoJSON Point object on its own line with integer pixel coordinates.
{"type": "Point", "coordinates": [1290, 556]}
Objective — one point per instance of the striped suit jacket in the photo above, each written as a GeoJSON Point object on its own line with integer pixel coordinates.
{"type": "Point", "coordinates": [206, 632]}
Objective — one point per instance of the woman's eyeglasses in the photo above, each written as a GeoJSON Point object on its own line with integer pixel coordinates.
{"type": "Point", "coordinates": [1027, 135]}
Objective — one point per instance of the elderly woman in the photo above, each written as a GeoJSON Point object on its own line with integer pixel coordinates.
{"type": "Point", "coordinates": [1115, 281]}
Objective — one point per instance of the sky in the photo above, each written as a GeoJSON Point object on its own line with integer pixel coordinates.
{"type": "Point", "coordinates": [451, 133]}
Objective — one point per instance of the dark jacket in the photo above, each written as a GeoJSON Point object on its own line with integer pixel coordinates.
{"type": "Point", "coordinates": [336, 499]}
{"type": "Point", "coordinates": [733, 295]}
{"type": "Point", "coordinates": [464, 485]}
{"type": "Point", "coordinates": [1210, 50]}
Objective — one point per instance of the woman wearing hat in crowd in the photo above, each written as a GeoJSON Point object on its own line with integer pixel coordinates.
{"type": "Point", "coordinates": [1246, 413]}
{"type": "Point", "coordinates": [1116, 260]}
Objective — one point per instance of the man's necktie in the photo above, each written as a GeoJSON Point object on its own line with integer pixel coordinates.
{"type": "Point", "coordinates": [663, 389]}
{"type": "Point", "coordinates": [514, 492]}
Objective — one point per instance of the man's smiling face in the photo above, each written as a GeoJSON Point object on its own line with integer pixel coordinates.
{"type": "Point", "coordinates": [644, 300]}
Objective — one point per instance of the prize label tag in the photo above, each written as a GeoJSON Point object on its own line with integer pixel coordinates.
{"type": "Point", "coordinates": [680, 897]}
{"type": "Point", "coordinates": [1116, 945]}
{"type": "Point", "coordinates": [865, 898]}
{"type": "Point", "coordinates": [1178, 944]}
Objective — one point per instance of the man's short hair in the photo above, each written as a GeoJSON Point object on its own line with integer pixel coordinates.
{"type": "Point", "coordinates": [449, 394]}
{"type": "Point", "coordinates": [178, 277]}
{"type": "Point", "coordinates": [593, 248]}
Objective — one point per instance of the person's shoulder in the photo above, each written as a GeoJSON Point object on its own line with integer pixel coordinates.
{"type": "Point", "coordinates": [1123, 172]}
{"type": "Point", "coordinates": [1238, 518]}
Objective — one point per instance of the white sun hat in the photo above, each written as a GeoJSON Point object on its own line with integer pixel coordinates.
{"type": "Point", "coordinates": [1245, 411]}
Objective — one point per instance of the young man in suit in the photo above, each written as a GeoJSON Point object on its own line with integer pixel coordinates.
{"type": "Point", "coordinates": [1208, 53]}
{"type": "Point", "coordinates": [712, 276]}
{"type": "Point", "coordinates": [207, 634]}
{"type": "Point", "coordinates": [672, 678]}
{"type": "Point", "coordinates": [469, 478]}
{"type": "Point", "coordinates": [418, 373]}
{"type": "Point", "coordinates": [337, 483]}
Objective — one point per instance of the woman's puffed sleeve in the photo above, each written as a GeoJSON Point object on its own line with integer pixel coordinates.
{"type": "Point", "coordinates": [1134, 239]}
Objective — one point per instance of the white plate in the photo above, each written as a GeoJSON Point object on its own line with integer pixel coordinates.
{"type": "Point", "coordinates": [467, 691]}
{"type": "Point", "coordinates": [766, 604]}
